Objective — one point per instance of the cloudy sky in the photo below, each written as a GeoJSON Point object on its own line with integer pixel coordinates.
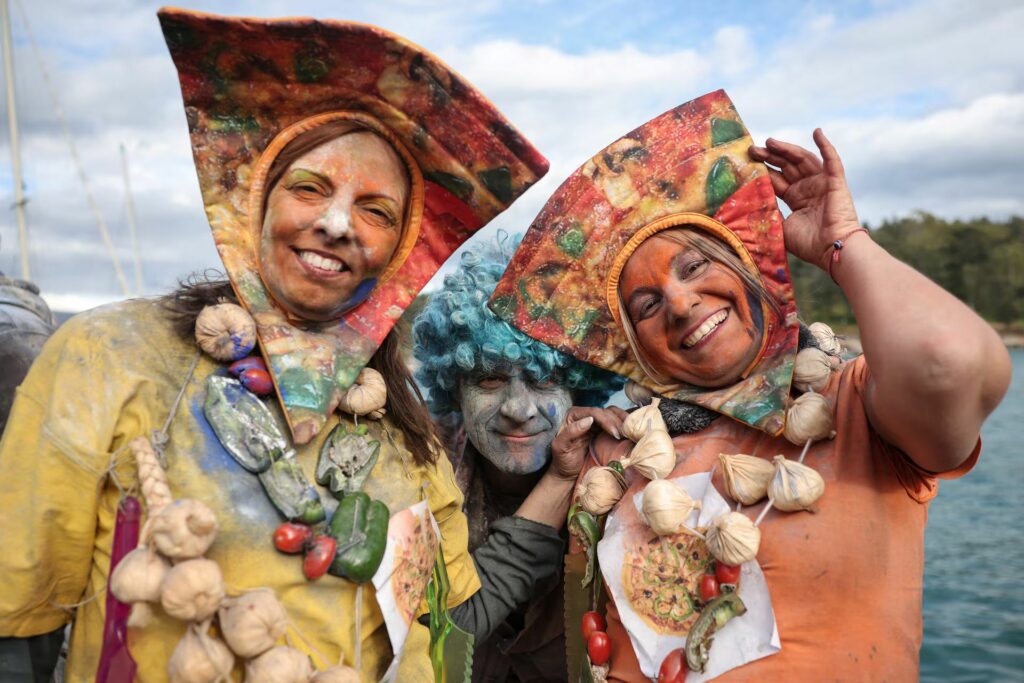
{"type": "Point", "coordinates": [925, 101]}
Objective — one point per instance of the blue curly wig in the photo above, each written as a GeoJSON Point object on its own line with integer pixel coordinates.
{"type": "Point", "coordinates": [456, 334]}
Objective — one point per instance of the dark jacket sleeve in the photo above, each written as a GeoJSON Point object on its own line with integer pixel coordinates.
{"type": "Point", "coordinates": [517, 556]}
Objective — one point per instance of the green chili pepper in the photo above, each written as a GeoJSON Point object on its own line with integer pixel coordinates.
{"type": "Point", "coordinates": [714, 616]}
{"type": "Point", "coordinates": [585, 528]}
{"type": "Point", "coordinates": [617, 466]}
{"type": "Point", "coordinates": [360, 526]}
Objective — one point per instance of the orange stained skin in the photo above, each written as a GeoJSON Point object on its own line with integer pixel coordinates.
{"type": "Point", "coordinates": [672, 294]}
{"type": "Point", "coordinates": [332, 224]}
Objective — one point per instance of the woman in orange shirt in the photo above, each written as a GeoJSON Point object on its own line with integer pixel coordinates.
{"type": "Point", "coordinates": [663, 259]}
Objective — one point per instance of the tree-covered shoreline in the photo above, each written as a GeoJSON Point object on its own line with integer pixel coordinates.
{"type": "Point", "coordinates": [980, 261]}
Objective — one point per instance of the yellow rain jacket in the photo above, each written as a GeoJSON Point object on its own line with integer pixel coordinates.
{"type": "Point", "coordinates": [110, 375]}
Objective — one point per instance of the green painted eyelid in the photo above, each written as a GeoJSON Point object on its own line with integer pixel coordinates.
{"type": "Point", "coordinates": [301, 175]}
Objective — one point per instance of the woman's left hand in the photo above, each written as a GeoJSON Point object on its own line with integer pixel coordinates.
{"type": "Point", "coordinates": [569, 447]}
{"type": "Point", "coordinates": [817, 193]}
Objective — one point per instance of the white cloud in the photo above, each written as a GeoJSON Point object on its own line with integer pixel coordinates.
{"type": "Point", "coordinates": [924, 101]}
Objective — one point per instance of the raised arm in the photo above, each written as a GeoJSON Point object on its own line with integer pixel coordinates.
{"type": "Point", "coordinates": [937, 368]}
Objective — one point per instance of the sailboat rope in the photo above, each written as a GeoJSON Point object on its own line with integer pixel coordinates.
{"type": "Point", "coordinates": [79, 167]}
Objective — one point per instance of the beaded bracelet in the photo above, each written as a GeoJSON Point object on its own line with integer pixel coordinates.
{"type": "Point", "coordinates": [837, 248]}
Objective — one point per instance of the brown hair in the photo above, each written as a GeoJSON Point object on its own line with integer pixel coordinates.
{"type": "Point", "coordinates": [717, 251]}
{"type": "Point", "coordinates": [405, 403]}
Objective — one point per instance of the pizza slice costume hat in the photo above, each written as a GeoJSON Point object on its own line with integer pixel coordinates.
{"type": "Point", "coordinates": [250, 86]}
{"type": "Point", "coordinates": [687, 167]}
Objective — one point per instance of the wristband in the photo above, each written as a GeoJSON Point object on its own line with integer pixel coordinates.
{"type": "Point", "coordinates": [837, 249]}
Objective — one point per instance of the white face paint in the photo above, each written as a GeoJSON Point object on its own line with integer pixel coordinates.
{"type": "Point", "coordinates": [512, 420]}
{"type": "Point", "coordinates": [336, 221]}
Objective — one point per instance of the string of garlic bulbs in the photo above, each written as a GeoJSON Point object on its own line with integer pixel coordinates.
{"type": "Point", "coordinates": [169, 568]}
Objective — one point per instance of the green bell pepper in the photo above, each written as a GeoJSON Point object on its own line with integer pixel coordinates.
{"type": "Point", "coordinates": [360, 526]}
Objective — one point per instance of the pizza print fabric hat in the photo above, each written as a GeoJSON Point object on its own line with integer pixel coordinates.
{"type": "Point", "coordinates": [252, 85]}
{"type": "Point", "coordinates": [687, 167]}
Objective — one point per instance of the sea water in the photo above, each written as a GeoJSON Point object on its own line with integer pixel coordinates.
{"type": "Point", "coordinates": [974, 558]}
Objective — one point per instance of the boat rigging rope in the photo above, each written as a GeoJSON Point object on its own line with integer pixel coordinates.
{"type": "Point", "coordinates": [79, 167]}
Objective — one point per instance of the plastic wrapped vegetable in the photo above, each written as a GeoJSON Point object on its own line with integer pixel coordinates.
{"type": "Point", "coordinates": [244, 425]}
{"type": "Point", "coordinates": [346, 459]}
{"type": "Point", "coordinates": [291, 493]}
{"type": "Point", "coordinates": [360, 526]}
{"type": "Point", "coordinates": [116, 663]}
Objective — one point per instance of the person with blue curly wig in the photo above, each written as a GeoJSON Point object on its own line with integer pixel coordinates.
{"type": "Point", "coordinates": [500, 398]}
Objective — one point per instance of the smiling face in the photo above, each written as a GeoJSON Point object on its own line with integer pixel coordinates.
{"type": "Point", "coordinates": [331, 225]}
{"type": "Point", "coordinates": [512, 420]}
{"type": "Point", "coordinates": [692, 315]}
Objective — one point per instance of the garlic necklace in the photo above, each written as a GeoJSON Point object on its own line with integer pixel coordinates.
{"type": "Point", "coordinates": [193, 590]}
{"type": "Point", "coordinates": [789, 485]}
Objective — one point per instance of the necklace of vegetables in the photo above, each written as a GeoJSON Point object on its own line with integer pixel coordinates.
{"type": "Point", "coordinates": [351, 544]}
{"type": "Point", "coordinates": [732, 538]}
{"type": "Point", "coordinates": [169, 567]}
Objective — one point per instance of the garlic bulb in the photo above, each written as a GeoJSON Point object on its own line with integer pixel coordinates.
{"type": "Point", "coordinates": [812, 369]}
{"type": "Point", "coordinates": [184, 529]}
{"type": "Point", "coordinates": [826, 338]}
{"type": "Point", "coordinates": [200, 658]}
{"type": "Point", "coordinates": [140, 616]}
{"type": "Point", "coordinates": [637, 393]}
{"type": "Point", "coordinates": [252, 623]}
{"type": "Point", "coordinates": [666, 507]}
{"type": "Point", "coordinates": [809, 418]}
{"type": "Point", "coordinates": [138, 575]}
{"type": "Point", "coordinates": [367, 396]}
{"type": "Point", "coordinates": [337, 674]}
{"type": "Point", "coordinates": [600, 490]}
{"type": "Point", "coordinates": [795, 486]}
{"type": "Point", "coordinates": [733, 539]}
{"type": "Point", "coordinates": [225, 331]}
{"type": "Point", "coordinates": [746, 477]}
{"type": "Point", "coordinates": [279, 665]}
{"type": "Point", "coordinates": [643, 420]}
{"type": "Point", "coordinates": [192, 590]}
{"type": "Point", "coordinates": [654, 455]}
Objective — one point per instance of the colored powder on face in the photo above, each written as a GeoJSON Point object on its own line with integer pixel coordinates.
{"type": "Point", "coordinates": [363, 290]}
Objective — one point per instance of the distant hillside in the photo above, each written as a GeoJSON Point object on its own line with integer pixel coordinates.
{"type": "Point", "coordinates": [979, 261]}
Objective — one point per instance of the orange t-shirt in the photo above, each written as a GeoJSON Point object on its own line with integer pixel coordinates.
{"type": "Point", "coordinates": [845, 581]}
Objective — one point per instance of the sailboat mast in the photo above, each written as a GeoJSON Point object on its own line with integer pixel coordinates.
{"type": "Point", "coordinates": [12, 124]}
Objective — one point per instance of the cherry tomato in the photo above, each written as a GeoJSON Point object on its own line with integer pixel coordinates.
{"type": "Point", "coordinates": [599, 647]}
{"type": "Point", "coordinates": [708, 588]}
{"type": "Point", "coordinates": [592, 621]}
{"type": "Point", "coordinates": [292, 538]}
{"type": "Point", "coordinates": [247, 363]}
{"type": "Point", "coordinates": [257, 381]}
{"type": "Point", "coordinates": [319, 556]}
{"type": "Point", "coordinates": [727, 573]}
{"type": "Point", "coordinates": [673, 667]}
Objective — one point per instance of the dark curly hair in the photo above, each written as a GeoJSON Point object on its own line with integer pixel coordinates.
{"type": "Point", "coordinates": [456, 334]}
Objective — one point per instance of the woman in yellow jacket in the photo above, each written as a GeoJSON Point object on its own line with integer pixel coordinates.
{"type": "Point", "coordinates": [340, 166]}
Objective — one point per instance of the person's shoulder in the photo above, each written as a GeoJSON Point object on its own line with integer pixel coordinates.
{"type": "Point", "coordinates": [131, 330]}
{"type": "Point", "coordinates": [131, 319]}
